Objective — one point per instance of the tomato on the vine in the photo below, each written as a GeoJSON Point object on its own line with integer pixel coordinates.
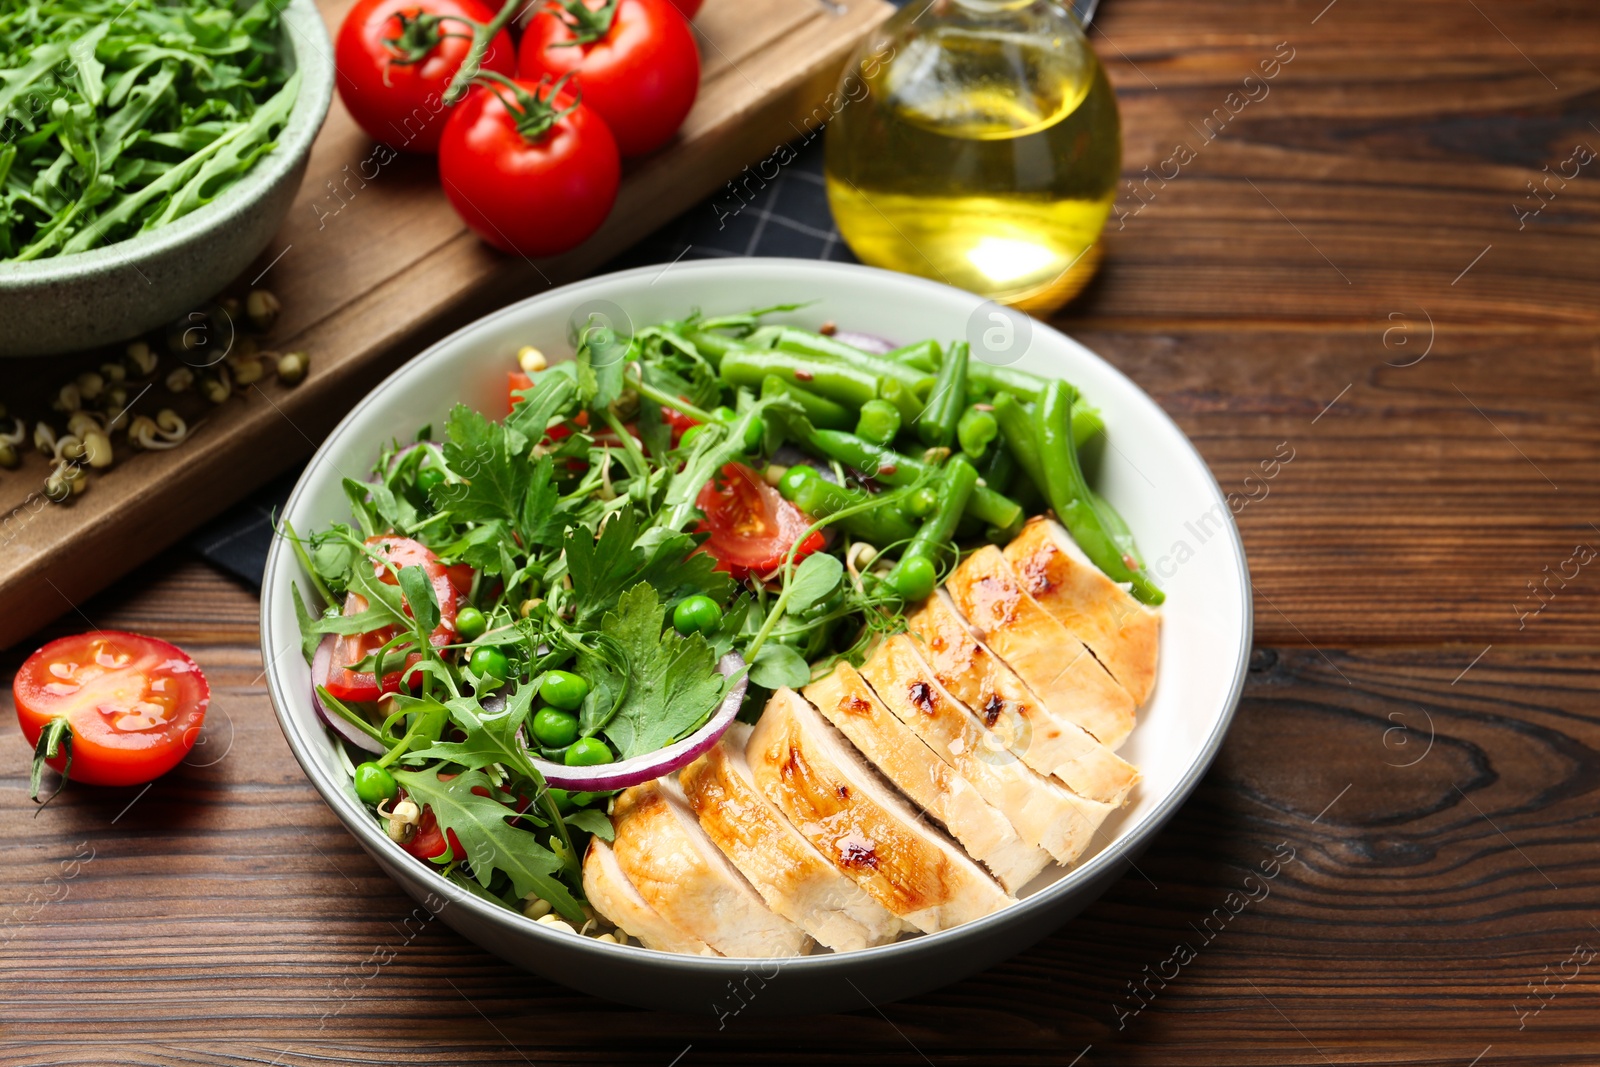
{"type": "Point", "coordinates": [752, 528]}
{"type": "Point", "coordinates": [396, 58]}
{"type": "Point", "coordinates": [111, 708]}
{"type": "Point", "coordinates": [635, 60]}
{"type": "Point", "coordinates": [529, 168]}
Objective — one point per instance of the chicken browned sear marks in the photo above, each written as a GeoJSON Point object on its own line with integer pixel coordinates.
{"type": "Point", "coordinates": [992, 709]}
{"type": "Point", "coordinates": [923, 696]}
{"type": "Point", "coordinates": [856, 853]}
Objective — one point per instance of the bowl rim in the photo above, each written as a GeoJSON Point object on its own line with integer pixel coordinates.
{"type": "Point", "coordinates": [1098, 866]}
{"type": "Point", "coordinates": [312, 51]}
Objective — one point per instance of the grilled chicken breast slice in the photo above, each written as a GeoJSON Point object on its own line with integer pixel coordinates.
{"type": "Point", "coordinates": [786, 869]}
{"type": "Point", "coordinates": [990, 690]}
{"type": "Point", "coordinates": [1056, 665]}
{"type": "Point", "coordinates": [846, 701]}
{"type": "Point", "coordinates": [678, 871]}
{"type": "Point", "coordinates": [860, 824]}
{"type": "Point", "coordinates": [1123, 634]}
{"type": "Point", "coordinates": [613, 896]}
{"type": "Point", "coordinates": [1044, 813]}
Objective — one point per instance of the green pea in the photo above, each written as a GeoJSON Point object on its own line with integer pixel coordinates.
{"type": "Point", "coordinates": [913, 578]}
{"type": "Point", "coordinates": [580, 800]}
{"type": "Point", "coordinates": [555, 728]}
{"type": "Point", "coordinates": [687, 439]}
{"type": "Point", "coordinates": [489, 663]}
{"type": "Point", "coordinates": [562, 798]}
{"type": "Point", "coordinates": [374, 784]}
{"type": "Point", "coordinates": [724, 413]}
{"type": "Point", "coordinates": [428, 477]}
{"type": "Point", "coordinates": [588, 752]}
{"type": "Point", "coordinates": [563, 689]}
{"type": "Point", "coordinates": [923, 502]}
{"type": "Point", "coordinates": [796, 476]}
{"type": "Point", "coordinates": [879, 422]}
{"type": "Point", "coordinates": [696, 615]}
{"type": "Point", "coordinates": [754, 433]}
{"type": "Point", "coordinates": [470, 623]}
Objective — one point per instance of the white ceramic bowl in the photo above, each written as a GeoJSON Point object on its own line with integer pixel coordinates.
{"type": "Point", "coordinates": [1152, 474]}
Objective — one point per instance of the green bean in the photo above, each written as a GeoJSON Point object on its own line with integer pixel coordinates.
{"type": "Point", "coordinates": [835, 381]}
{"type": "Point", "coordinates": [924, 356]}
{"type": "Point", "coordinates": [976, 430]}
{"type": "Point", "coordinates": [1016, 426]}
{"type": "Point", "coordinates": [879, 422]}
{"type": "Point", "coordinates": [822, 412]}
{"type": "Point", "coordinates": [960, 479]}
{"type": "Point", "coordinates": [1071, 498]}
{"type": "Point", "coordinates": [712, 345]}
{"type": "Point", "coordinates": [804, 343]}
{"type": "Point", "coordinates": [999, 468]}
{"type": "Point", "coordinates": [988, 378]}
{"type": "Point", "coordinates": [936, 426]}
{"type": "Point", "coordinates": [891, 468]}
{"type": "Point", "coordinates": [819, 498]}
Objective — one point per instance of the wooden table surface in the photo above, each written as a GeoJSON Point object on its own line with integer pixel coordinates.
{"type": "Point", "coordinates": [1348, 267]}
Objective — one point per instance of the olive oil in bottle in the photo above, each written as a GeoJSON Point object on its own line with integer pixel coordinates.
{"type": "Point", "coordinates": [977, 142]}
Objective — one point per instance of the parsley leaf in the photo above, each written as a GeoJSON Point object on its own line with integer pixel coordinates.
{"type": "Point", "coordinates": [485, 455]}
{"type": "Point", "coordinates": [673, 684]}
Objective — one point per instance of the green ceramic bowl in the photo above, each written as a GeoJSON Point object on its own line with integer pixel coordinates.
{"type": "Point", "coordinates": [68, 303]}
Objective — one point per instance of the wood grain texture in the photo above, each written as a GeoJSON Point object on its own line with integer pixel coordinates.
{"type": "Point", "coordinates": [372, 265]}
{"type": "Point", "coordinates": [1431, 756]}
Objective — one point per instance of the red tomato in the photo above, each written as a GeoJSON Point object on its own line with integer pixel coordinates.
{"type": "Point", "coordinates": [687, 8]}
{"type": "Point", "coordinates": [429, 842]}
{"type": "Point", "coordinates": [530, 197]}
{"type": "Point", "coordinates": [518, 381]}
{"type": "Point", "coordinates": [677, 421]}
{"type": "Point", "coordinates": [641, 75]}
{"type": "Point", "coordinates": [399, 102]}
{"type": "Point", "coordinates": [134, 705]}
{"type": "Point", "coordinates": [348, 684]}
{"type": "Point", "coordinates": [751, 526]}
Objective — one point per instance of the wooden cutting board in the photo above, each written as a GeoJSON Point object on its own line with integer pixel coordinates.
{"type": "Point", "coordinates": [371, 265]}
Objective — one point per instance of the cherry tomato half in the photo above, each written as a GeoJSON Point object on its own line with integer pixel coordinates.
{"type": "Point", "coordinates": [134, 704]}
{"type": "Point", "coordinates": [641, 75]}
{"type": "Point", "coordinates": [530, 197]}
{"type": "Point", "coordinates": [396, 99]}
{"type": "Point", "coordinates": [688, 8]}
{"type": "Point", "coordinates": [348, 684]}
{"type": "Point", "coordinates": [751, 526]}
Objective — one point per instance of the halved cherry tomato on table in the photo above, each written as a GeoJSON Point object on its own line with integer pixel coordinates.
{"type": "Point", "coordinates": [636, 63]}
{"type": "Point", "coordinates": [752, 528]}
{"type": "Point", "coordinates": [529, 168]}
{"type": "Point", "coordinates": [119, 708]}
{"type": "Point", "coordinates": [396, 58]}
{"type": "Point", "coordinates": [688, 8]}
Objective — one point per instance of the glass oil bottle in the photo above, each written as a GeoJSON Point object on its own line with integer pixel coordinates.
{"type": "Point", "coordinates": [977, 143]}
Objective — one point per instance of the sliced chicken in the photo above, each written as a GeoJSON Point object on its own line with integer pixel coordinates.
{"type": "Point", "coordinates": [860, 824]}
{"type": "Point", "coordinates": [1056, 665]}
{"type": "Point", "coordinates": [846, 700]}
{"type": "Point", "coordinates": [789, 873]}
{"type": "Point", "coordinates": [976, 676]}
{"type": "Point", "coordinates": [1122, 633]}
{"type": "Point", "coordinates": [609, 890]}
{"type": "Point", "coordinates": [678, 871]}
{"type": "Point", "coordinates": [1044, 813]}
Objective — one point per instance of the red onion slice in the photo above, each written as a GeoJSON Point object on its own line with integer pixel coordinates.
{"type": "Point", "coordinates": [865, 341]}
{"type": "Point", "coordinates": [653, 765]}
{"type": "Point", "coordinates": [321, 664]}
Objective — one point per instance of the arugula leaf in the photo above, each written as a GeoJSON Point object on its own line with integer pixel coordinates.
{"type": "Point", "coordinates": [419, 594]}
{"type": "Point", "coordinates": [309, 637]}
{"type": "Point", "coordinates": [490, 737]}
{"type": "Point", "coordinates": [491, 844]}
{"type": "Point", "coordinates": [595, 822]}
{"type": "Point", "coordinates": [673, 684]}
{"type": "Point", "coordinates": [777, 665]}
